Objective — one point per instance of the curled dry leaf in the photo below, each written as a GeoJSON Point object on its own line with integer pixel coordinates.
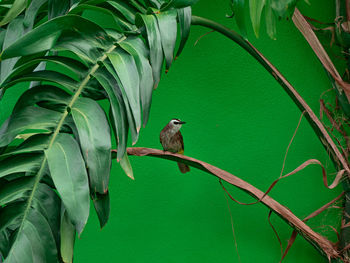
{"type": "Point", "coordinates": [312, 215]}
{"type": "Point", "coordinates": [336, 156]}
{"type": "Point", "coordinates": [305, 28]}
{"type": "Point", "coordinates": [320, 242]}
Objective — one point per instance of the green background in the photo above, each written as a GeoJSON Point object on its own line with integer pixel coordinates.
{"type": "Point", "coordinates": [238, 119]}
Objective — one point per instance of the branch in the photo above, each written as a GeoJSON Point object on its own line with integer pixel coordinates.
{"type": "Point", "coordinates": [319, 242]}
{"type": "Point", "coordinates": [310, 36]}
{"type": "Point", "coordinates": [336, 156]}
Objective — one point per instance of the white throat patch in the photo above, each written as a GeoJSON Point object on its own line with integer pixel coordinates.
{"type": "Point", "coordinates": [174, 127]}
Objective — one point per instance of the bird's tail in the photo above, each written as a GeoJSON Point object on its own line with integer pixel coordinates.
{"type": "Point", "coordinates": [183, 167]}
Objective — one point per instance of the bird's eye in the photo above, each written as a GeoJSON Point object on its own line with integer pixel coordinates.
{"type": "Point", "coordinates": [175, 122]}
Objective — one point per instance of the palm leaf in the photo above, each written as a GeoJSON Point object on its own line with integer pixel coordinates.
{"type": "Point", "coordinates": [17, 7]}
{"type": "Point", "coordinates": [155, 44]}
{"type": "Point", "coordinates": [135, 47]}
{"type": "Point", "coordinates": [67, 169]}
{"type": "Point", "coordinates": [55, 146]}
{"type": "Point", "coordinates": [95, 141]}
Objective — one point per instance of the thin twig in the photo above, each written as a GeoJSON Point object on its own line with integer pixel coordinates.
{"type": "Point", "coordinates": [195, 43]}
{"type": "Point", "coordinates": [317, 21]}
{"type": "Point", "coordinates": [336, 156]}
{"type": "Point", "coordinates": [290, 142]}
{"type": "Point", "coordinates": [312, 215]}
{"type": "Point", "coordinates": [275, 231]}
{"type": "Point", "coordinates": [233, 229]}
{"type": "Point", "coordinates": [320, 242]}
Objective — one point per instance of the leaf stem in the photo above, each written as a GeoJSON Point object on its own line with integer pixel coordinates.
{"type": "Point", "coordinates": [338, 159]}
{"type": "Point", "coordinates": [324, 246]}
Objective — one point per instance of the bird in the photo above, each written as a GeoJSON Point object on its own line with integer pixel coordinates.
{"type": "Point", "coordinates": [172, 141]}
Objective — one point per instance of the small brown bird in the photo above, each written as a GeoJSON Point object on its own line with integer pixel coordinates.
{"type": "Point", "coordinates": [172, 141]}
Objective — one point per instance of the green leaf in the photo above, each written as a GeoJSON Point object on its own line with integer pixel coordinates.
{"type": "Point", "coordinates": [124, 9]}
{"type": "Point", "coordinates": [178, 4]}
{"type": "Point", "coordinates": [237, 7]}
{"type": "Point", "coordinates": [270, 21]}
{"type": "Point", "coordinates": [114, 34]}
{"type": "Point", "coordinates": [168, 32]}
{"type": "Point", "coordinates": [138, 5]}
{"type": "Point", "coordinates": [68, 234]}
{"type": "Point", "coordinates": [16, 189]}
{"type": "Point", "coordinates": [20, 164]}
{"type": "Point", "coordinates": [24, 72]}
{"type": "Point", "coordinates": [44, 75]}
{"type": "Point", "coordinates": [10, 218]}
{"type": "Point", "coordinates": [35, 143]}
{"type": "Point", "coordinates": [31, 13]}
{"type": "Point", "coordinates": [74, 2]}
{"type": "Point", "coordinates": [2, 37]}
{"type": "Point", "coordinates": [102, 207]}
{"type": "Point", "coordinates": [130, 118]}
{"type": "Point", "coordinates": [184, 16]}
{"type": "Point", "coordinates": [73, 65]}
{"type": "Point", "coordinates": [48, 203]}
{"type": "Point", "coordinates": [35, 118]}
{"type": "Point", "coordinates": [94, 90]}
{"type": "Point", "coordinates": [46, 96]}
{"type": "Point", "coordinates": [73, 42]}
{"type": "Point", "coordinates": [283, 8]}
{"type": "Point", "coordinates": [35, 242]}
{"type": "Point", "coordinates": [58, 8]}
{"type": "Point", "coordinates": [125, 164]}
{"type": "Point", "coordinates": [136, 47]}
{"type": "Point", "coordinates": [44, 37]}
{"type": "Point", "coordinates": [40, 67]}
{"type": "Point", "coordinates": [117, 107]}
{"type": "Point", "coordinates": [341, 96]}
{"type": "Point", "coordinates": [125, 67]}
{"type": "Point", "coordinates": [17, 7]}
{"type": "Point", "coordinates": [120, 24]}
{"type": "Point", "coordinates": [69, 175]}
{"type": "Point", "coordinates": [155, 44]}
{"type": "Point", "coordinates": [14, 31]}
{"type": "Point", "coordinates": [95, 141]}
{"type": "Point", "coordinates": [154, 3]}
{"type": "Point", "coordinates": [256, 8]}
{"type": "Point", "coordinates": [42, 217]}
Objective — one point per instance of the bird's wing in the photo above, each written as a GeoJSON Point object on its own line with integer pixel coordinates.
{"type": "Point", "coordinates": [162, 132]}
{"type": "Point", "coordinates": [179, 137]}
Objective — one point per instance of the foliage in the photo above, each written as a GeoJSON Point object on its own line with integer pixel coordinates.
{"type": "Point", "coordinates": [56, 145]}
{"type": "Point", "coordinates": [55, 148]}
{"type": "Point", "coordinates": [337, 113]}
{"type": "Point", "coordinates": [274, 10]}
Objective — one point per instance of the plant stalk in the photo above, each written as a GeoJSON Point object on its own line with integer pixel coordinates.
{"type": "Point", "coordinates": [324, 246]}
{"type": "Point", "coordinates": [336, 156]}
{"type": "Point", "coordinates": [338, 159]}
{"type": "Point", "coordinates": [343, 9]}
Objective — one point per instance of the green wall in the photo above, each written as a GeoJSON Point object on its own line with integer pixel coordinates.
{"type": "Point", "coordinates": [239, 119]}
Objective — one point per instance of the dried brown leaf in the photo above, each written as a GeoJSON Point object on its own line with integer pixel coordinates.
{"type": "Point", "coordinates": [312, 215]}
{"type": "Point", "coordinates": [320, 242]}
{"type": "Point", "coordinates": [310, 36]}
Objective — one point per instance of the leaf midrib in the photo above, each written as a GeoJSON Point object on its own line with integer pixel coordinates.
{"type": "Point", "coordinates": [58, 128]}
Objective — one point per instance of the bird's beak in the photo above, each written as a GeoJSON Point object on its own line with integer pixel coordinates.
{"type": "Point", "coordinates": [182, 122]}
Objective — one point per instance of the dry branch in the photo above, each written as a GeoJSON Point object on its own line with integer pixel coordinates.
{"type": "Point", "coordinates": [321, 243]}
{"type": "Point", "coordinates": [310, 36]}
{"type": "Point", "coordinates": [305, 28]}
{"type": "Point", "coordinates": [315, 123]}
